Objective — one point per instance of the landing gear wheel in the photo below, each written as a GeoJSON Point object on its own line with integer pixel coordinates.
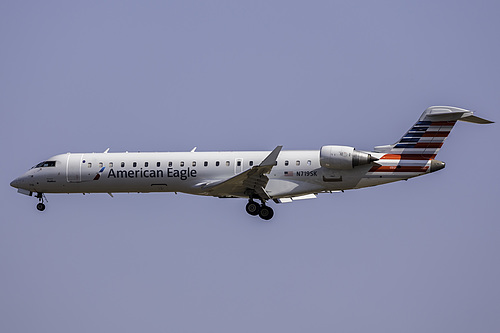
{"type": "Point", "coordinates": [40, 206]}
{"type": "Point", "coordinates": [266, 213]}
{"type": "Point", "coordinates": [252, 208]}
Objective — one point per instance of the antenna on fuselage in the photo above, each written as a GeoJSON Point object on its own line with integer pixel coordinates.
{"type": "Point", "coordinates": [192, 150]}
{"type": "Point", "coordinates": [106, 151]}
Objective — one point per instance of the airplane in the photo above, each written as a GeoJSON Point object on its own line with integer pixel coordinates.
{"type": "Point", "coordinates": [258, 176]}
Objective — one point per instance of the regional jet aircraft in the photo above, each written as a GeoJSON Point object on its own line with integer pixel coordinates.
{"type": "Point", "coordinates": [259, 176]}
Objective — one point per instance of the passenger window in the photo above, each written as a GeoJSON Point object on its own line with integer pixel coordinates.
{"type": "Point", "coordinates": [110, 164]}
{"type": "Point", "coordinates": [169, 164]}
{"type": "Point", "coordinates": [228, 163]}
{"type": "Point", "coordinates": [123, 164]}
{"type": "Point", "coordinates": [250, 163]}
{"type": "Point", "coordinates": [205, 163]}
{"type": "Point", "coordinates": [217, 163]}
{"type": "Point", "coordinates": [100, 164]}
{"type": "Point", "coordinates": [286, 163]}
{"type": "Point", "coordinates": [146, 164]}
{"type": "Point", "coordinates": [308, 162]}
{"type": "Point", "coordinates": [89, 165]}
{"type": "Point", "coordinates": [297, 163]}
{"type": "Point", "coordinates": [182, 163]}
{"type": "Point", "coordinates": [194, 163]}
{"type": "Point", "coordinates": [158, 164]}
{"type": "Point", "coordinates": [134, 164]}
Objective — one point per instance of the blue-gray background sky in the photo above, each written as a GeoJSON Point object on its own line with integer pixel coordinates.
{"type": "Point", "coordinates": [416, 256]}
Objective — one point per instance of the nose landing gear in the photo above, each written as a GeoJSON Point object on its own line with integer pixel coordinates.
{"type": "Point", "coordinates": [40, 206]}
{"type": "Point", "coordinates": [264, 212]}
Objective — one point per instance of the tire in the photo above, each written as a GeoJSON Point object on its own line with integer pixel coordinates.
{"type": "Point", "coordinates": [252, 208]}
{"type": "Point", "coordinates": [40, 207]}
{"type": "Point", "coordinates": [266, 213]}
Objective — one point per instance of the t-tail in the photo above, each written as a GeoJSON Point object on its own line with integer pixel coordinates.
{"type": "Point", "coordinates": [414, 153]}
{"type": "Point", "coordinates": [424, 139]}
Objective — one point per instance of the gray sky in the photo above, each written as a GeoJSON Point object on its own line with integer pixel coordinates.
{"type": "Point", "coordinates": [416, 256]}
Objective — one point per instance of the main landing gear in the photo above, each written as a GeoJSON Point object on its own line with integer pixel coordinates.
{"type": "Point", "coordinates": [40, 206]}
{"type": "Point", "coordinates": [264, 212]}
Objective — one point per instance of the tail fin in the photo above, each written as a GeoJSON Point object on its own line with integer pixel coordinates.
{"type": "Point", "coordinates": [426, 137]}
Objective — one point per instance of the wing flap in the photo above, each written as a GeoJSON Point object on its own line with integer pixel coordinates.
{"type": "Point", "coordinates": [300, 197]}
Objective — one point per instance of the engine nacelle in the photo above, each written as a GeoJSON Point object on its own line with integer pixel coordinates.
{"type": "Point", "coordinates": [343, 157]}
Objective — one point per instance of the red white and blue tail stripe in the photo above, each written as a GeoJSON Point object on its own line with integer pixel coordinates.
{"type": "Point", "coordinates": [424, 139]}
{"type": "Point", "coordinates": [414, 153]}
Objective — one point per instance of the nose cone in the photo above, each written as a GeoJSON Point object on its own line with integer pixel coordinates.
{"type": "Point", "coordinates": [19, 183]}
{"type": "Point", "coordinates": [437, 165]}
{"type": "Point", "coordinates": [15, 183]}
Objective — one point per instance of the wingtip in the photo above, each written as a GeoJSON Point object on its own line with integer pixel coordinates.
{"type": "Point", "coordinates": [272, 157]}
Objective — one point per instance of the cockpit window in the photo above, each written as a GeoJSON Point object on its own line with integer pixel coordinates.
{"type": "Point", "coordinates": [45, 164]}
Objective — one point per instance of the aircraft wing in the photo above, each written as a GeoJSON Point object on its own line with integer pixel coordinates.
{"type": "Point", "coordinates": [251, 182]}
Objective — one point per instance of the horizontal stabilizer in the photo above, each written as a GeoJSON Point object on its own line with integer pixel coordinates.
{"type": "Point", "coordinates": [476, 120]}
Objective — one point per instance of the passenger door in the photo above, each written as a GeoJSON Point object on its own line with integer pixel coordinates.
{"type": "Point", "coordinates": [74, 168]}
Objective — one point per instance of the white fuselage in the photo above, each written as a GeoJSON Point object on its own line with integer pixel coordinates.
{"type": "Point", "coordinates": [296, 173]}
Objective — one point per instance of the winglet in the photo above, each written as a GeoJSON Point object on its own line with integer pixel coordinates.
{"type": "Point", "coordinates": [250, 182]}
{"type": "Point", "coordinates": [270, 160]}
